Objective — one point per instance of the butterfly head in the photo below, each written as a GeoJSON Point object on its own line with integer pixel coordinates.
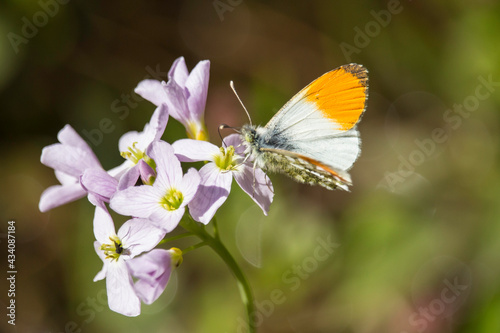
{"type": "Point", "coordinates": [248, 133]}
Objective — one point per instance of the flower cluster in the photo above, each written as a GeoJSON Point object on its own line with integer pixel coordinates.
{"type": "Point", "coordinates": [151, 187]}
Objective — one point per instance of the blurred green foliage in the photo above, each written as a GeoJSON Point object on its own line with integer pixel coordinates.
{"type": "Point", "coordinates": [417, 245]}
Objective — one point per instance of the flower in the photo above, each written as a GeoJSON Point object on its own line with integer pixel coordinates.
{"type": "Point", "coordinates": [216, 177]}
{"type": "Point", "coordinates": [133, 146]}
{"type": "Point", "coordinates": [117, 251]}
{"type": "Point", "coordinates": [185, 94]}
{"type": "Point", "coordinates": [101, 186]}
{"type": "Point", "coordinates": [163, 202]}
{"type": "Point", "coordinates": [153, 270]}
{"type": "Point", "coordinates": [69, 159]}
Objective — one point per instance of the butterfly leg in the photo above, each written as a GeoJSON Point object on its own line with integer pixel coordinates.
{"type": "Point", "coordinates": [253, 185]}
{"type": "Point", "coordinates": [268, 183]}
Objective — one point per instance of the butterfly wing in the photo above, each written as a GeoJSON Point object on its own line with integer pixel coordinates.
{"type": "Point", "coordinates": [318, 123]}
{"type": "Point", "coordinates": [305, 170]}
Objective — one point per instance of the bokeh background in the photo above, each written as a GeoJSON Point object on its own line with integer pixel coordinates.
{"type": "Point", "coordinates": [414, 247]}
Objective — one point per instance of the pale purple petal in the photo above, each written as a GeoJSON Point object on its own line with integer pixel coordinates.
{"type": "Point", "coordinates": [133, 172]}
{"type": "Point", "coordinates": [58, 195]}
{"type": "Point", "coordinates": [167, 220]}
{"type": "Point", "coordinates": [141, 141]}
{"type": "Point", "coordinates": [145, 171]}
{"type": "Point", "coordinates": [188, 150]}
{"type": "Point", "coordinates": [212, 192]}
{"type": "Point", "coordinates": [168, 167]}
{"type": "Point", "coordinates": [68, 136]}
{"type": "Point", "coordinates": [121, 293]}
{"type": "Point", "coordinates": [137, 201]}
{"type": "Point", "coordinates": [128, 139]}
{"type": "Point", "coordinates": [179, 71]}
{"type": "Point", "coordinates": [176, 102]}
{"type": "Point", "coordinates": [151, 90]}
{"type": "Point", "coordinates": [235, 141]}
{"type": "Point", "coordinates": [129, 178]}
{"type": "Point", "coordinates": [103, 224]}
{"type": "Point", "coordinates": [118, 171]}
{"type": "Point", "coordinates": [99, 183]}
{"type": "Point", "coordinates": [189, 185]}
{"type": "Point", "coordinates": [197, 85]}
{"type": "Point", "coordinates": [94, 199]}
{"type": "Point", "coordinates": [153, 130]}
{"type": "Point", "coordinates": [70, 160]}
{"type": "Point", "coordinates": [102, 273]}
{"type": "Point", "coordinates": [256, 184]}
{"type": "Point", "coordinates": [153, 270]}
{"type": "Point", "coordinates": [139, 235]}
{"type": "Point", "coordinates": [66, 179]}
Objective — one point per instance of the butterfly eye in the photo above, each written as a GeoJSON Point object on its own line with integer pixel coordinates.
{"type": "Point", "coordinates": [252, 133]}
{"type": "Point", "coordinates": [250, 136]}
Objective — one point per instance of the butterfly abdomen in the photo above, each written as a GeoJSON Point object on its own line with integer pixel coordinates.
{"type": "Point", "coordinates": [300, 170]}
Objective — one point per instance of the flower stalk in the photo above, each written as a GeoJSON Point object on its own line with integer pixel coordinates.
{"type": "Point", "coordinates": [215, 244]}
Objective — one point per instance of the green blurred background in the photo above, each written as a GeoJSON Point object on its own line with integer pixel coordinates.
{"type": "Point", "coordinates": [415, 244]}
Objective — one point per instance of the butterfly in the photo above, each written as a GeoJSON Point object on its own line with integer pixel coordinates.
{"type": "Point", "coordinates": [313, 137]}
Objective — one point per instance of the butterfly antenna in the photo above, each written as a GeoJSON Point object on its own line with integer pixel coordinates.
{"type": "Point", "coordinates": [221, 127]}
{"type": "Point", "coordinates": [239, 99]}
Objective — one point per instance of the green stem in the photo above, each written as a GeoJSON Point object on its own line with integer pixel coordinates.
{"type": "Point", "coordinates": [216, 228]}
{"type": "Point", "coordinates": [193, 247]}
{"type": "Point", "coordinates": [166, 240]}
{"type": "Point", "coordinates": [215, 243]}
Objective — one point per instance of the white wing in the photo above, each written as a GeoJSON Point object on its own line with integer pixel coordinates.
{"type": "Point", "coordinates": [319, 121]}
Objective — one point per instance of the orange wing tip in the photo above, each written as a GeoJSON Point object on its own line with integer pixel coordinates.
{"type": "Point", "coordinates": [340, 95]}
{"type": "Point", "coordinates": [359, 71]}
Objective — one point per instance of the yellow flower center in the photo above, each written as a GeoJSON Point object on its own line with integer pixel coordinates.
{"type": "Point", "coordinates": [172, 200]}
{"type": "Point", "coordinates": [226, 160]}
{"type": "Point", "coordinates": [134, 155]}
{"type": "Point", "coordinates": [114, 249]}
